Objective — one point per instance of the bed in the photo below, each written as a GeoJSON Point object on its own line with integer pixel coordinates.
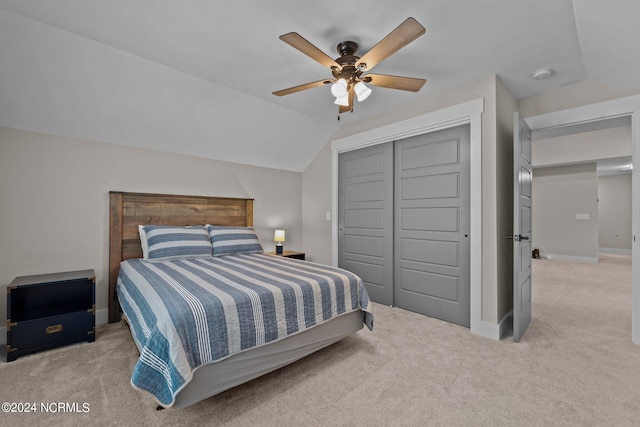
{"type": "Point", "coordinates": [272, 324]}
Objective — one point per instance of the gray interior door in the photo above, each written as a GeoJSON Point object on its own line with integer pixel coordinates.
{"type": "Point", "coordinates": [365, 218]}
{"type": "Point", "coordinates": [521, 227]}
{"type": "Point", "coordinates": [432, 220]}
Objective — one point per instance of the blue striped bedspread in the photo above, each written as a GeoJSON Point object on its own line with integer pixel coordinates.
{"type": "Point", "coordinates": [187, 313]}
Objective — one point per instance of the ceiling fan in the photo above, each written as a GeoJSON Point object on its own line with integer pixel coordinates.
{"type": "Point", "coordinates": [350, 72]}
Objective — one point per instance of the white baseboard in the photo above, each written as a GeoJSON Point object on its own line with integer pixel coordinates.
{"type": "Point", "coordinates": [102, 317]}
{"type": "Point", "coordinates": [586, 260]}
{"type": "Point", "coordinates": [615, 251]}
{"type": "Point", "coordinates": [491, 330]}
{"type": "Point", "coordinates": [485, 329]}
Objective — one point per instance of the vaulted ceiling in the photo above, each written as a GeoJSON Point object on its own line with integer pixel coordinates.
{"type": "Point", "coordinates": [196, 76]}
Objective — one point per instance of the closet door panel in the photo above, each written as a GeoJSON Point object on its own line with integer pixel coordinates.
{"type": "Point", "coordinates": [430, 219]}
{"type": "Point", "coordinates": [431, 208]}
{"type": "Point", "coordinates": [365, 218]}
{"type": "Point", "coordinates": [441, 286]}
{"type": "Point", "coordinates": [438, 186]}
{"type": "Point", "coordinates": [439, 254]}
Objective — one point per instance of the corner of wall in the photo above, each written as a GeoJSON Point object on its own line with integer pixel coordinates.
{"type": "Point", "coordinates": [506, 106]}
{"type": "Point", "coordinates": [316, 202]}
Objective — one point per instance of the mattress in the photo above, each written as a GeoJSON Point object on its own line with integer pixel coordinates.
{"type": "Point", "coordinates": [187, 314]}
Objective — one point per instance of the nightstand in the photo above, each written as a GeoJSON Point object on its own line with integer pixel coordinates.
{"type": "Point", "coordinates": [289, 254]}
{"type": "Point", "coordinates": [50, 310]}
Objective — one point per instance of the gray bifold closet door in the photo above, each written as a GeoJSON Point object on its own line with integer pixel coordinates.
{"type": "Point", "coordinates": [404, 219]}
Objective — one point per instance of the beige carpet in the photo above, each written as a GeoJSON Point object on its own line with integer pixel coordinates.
{"type": "Point", "coordinates": [575, 366]}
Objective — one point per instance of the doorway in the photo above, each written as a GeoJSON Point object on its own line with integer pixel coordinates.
{"type": "Point", "coordinates": [573, 206]}
{"type": "Point", "coordinates": [629, 106]}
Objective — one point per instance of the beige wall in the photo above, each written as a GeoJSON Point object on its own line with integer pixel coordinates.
{"type": "Point", "coordinates": [316, 202]}
{"type": "Point", "coordinates": [582, 147]}
{"type": "Point", "coordinates": [572, 96]}
{"type": "Point", "coordinates": [54, 210]}
{"type": "Point", "coordinates": [560, 193]}
{"type": "Point", "coordinates": [506, 106]}
{"type": "Point", "coordinates": [614, 213]}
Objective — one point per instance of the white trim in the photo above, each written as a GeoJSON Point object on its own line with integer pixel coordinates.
{"type": "Point", "coordinates": [615, 251]}
{"type": "Point", "coordinates": [629, 106]}
{"type": "Point", "coordinates": [102, 316]}
{"type": "Point", "coordinates": [467, 113]}
{"type": "Point", "coordinates": [582, 259]}
{"type": "Point", "coordinates": [486, 329]}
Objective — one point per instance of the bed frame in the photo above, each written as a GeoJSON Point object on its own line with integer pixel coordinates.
{"type": "Point", "coordinates": [128, 210]}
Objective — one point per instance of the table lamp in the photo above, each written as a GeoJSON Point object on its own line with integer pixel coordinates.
{"type": "Point", "coordinates": [279, 238]}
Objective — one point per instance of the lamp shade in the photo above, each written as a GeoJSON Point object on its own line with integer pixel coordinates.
{"type": "Point", "coordinates": [339, 88]}
{"type": "Point", "coordinates": [344, 101]}
{"type": "Point", "coordinates": [362, 91]}
{"type": "Point", "coordinates": [279, 236]}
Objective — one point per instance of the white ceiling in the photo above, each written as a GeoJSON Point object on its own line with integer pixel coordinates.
{"type": "Point", "coordinates": [196, 76]}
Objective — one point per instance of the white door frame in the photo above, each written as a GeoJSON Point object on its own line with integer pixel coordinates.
{"type": "Point", "coordinates": [467, 113]}
{"type": "Point", "coordinates": [629, 106]}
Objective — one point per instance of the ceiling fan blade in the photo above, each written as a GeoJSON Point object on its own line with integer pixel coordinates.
{"type": "Point", "coordinates": [404, 34]}
{"type": "Point", "coordinates": [302, 87]}
{"type": "Point", "coordinates": [303, 45]}
{"type": "Point", "coordinates": [395, 82]}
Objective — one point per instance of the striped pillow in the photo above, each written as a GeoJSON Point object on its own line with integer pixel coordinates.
{"type": "Point", "coordinates": [166, 242]}
{"type": "Point", "coordinates": [234, 240]}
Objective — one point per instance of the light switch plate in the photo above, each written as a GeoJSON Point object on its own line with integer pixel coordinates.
{"type": "Point", "coordinates": [582, 216]}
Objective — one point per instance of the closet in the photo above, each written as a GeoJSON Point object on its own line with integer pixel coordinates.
{"type": "Point", "coordinates": [403, 222]}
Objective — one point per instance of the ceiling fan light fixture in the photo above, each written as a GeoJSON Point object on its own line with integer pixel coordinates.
{"type": "Point", "coordinates": [343, 100]}
{"type": "Point", "coordinates": [339, 88]}
{"type": "Point", "coordinates": [362, 91]}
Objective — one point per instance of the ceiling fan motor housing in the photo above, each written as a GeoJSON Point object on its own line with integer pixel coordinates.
{"type": "Point", "coordinates": [347, 48]}
{"type": "Point", "coordinates": [347, 61]}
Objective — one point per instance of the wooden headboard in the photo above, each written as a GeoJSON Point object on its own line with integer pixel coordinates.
{"type": "Point", "coordinates": [128, 210]}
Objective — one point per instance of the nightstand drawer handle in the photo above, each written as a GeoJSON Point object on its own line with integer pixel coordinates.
{"type": "Point", "coordinates": [53, 329]}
